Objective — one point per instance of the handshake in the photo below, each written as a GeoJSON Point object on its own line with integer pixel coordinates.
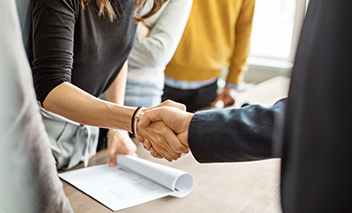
{"type": "Point", "coordinates": [163, 130]}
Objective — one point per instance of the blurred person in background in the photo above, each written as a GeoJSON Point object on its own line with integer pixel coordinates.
{"type": "Point", "coordinates": [156, 43]}
{"type": "Point", "coordinates": [216, 37]}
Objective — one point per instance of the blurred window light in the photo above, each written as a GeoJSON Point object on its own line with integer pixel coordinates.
{"type": "Point", "coordinates": [276, 29]}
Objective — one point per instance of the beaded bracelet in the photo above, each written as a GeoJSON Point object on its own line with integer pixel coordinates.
{"type": "Point", "coordinates": [132, 121]}
{"type": "Point", "coordinates": [136, 119]}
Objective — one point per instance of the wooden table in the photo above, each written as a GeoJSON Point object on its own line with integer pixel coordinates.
{"type": "Point", "coordinates": [220, 187]}
{"type": "Point", "coordinates": [265, 93]}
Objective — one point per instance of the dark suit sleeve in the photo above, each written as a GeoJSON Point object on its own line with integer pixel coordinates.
{"type": "Point", "coordinates": [231, 135]}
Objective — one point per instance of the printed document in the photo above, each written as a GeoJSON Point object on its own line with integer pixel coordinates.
{"type": "Point", "coordinates": [131, 182]}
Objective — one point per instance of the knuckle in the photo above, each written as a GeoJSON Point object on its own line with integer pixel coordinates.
{"type": "Point", "coordinates": [183, 107]}
{"type": "Point", "coordinates": [180, 148]}
{"type": "Point", "coordinates": [162, 131]}
{"type": "Point", "coordinates": [159, 141]}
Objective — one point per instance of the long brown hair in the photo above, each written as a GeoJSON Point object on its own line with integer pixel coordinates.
{"type": "Point", "coordinates": [106, 7]}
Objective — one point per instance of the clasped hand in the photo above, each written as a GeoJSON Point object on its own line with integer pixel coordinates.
{"type": "Point", "coordinates": [163, 130]}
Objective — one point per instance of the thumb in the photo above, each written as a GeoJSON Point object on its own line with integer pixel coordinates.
{"type": "Point", "coordinates": [150, 116]}
{"type": "Point", "coordinates": [139, 138]}
{"type": "Point", "coordinates": [218, 98]}
{"type": "Point", "coordinates": [170, 103]}
{"type": "Point", "coordinates": [112, 160]}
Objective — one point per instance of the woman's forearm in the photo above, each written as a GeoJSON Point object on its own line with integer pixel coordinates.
{"type": "Point", "coordinates": [75, 104]}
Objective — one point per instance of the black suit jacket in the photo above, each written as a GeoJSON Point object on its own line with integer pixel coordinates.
{"type": "Point", "coordinates": [315, 136]}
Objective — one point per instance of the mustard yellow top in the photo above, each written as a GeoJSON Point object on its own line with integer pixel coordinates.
{"type": "Point", "coordinates": [217, 35]}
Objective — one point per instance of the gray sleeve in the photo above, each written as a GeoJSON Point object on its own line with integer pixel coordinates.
{"type": "Point", "coordinates": [232, 135]}
{"type": "Point", "coordinates": [158, 48]}
{"type": "Point", "coordinates": [28, 180]}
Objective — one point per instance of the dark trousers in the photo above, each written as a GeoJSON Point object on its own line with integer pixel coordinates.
{"type": "Point", "coordinates": [193, 99]}
{"type": "Point", "coordinates": [103, 139]}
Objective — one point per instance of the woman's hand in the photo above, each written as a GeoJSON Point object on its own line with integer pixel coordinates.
{"type": "Point", "coordinates": [143, 31]}
{"type": "Point", "coordinates": [119, 142]}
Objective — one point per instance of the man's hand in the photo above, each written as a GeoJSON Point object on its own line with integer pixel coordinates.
{"type": "Point", "coordinates": [119, 143]}
{"type": "Point", "coordinates": [227, 95]}
{"type": "Point", "coordinates": [164, 140]}
{"type": "Point", "coordinates": [167, 118]}
{"type": "Point", "coordinates": [170, 103]}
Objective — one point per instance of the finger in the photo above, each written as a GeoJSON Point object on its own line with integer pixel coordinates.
{"type": "Point", "coordinates": [152, 115]}
{"type": "Point", "coordinates": [228, 100]}
{"type": "Point", "coordinates": [147, 145]}
{"type": "Point", "coordinates": [146, 121]}
{"type": "Point", "coordinates": [154, 153]}
{"type": "Point", "coordinates": [165, 153]}
{"type": "Point", "coordinates": [174, 104]}
{"type": "Point", "coordinates": [215, 101]}
{"type": "Point", "coordinates": [220, 104]}
{"type": "Point", "coordinates": [112, 160]}
{"type": "Point", "coordinates": [109, 142]}
{"type": "Point", "coordinates": [140, 138]}
{"type": "Point", "coordinates": [112, 155]}
{"type": "Point", "coordinates": [132, 154]}
{"type": "Point", "coordinates": [229, 95]}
